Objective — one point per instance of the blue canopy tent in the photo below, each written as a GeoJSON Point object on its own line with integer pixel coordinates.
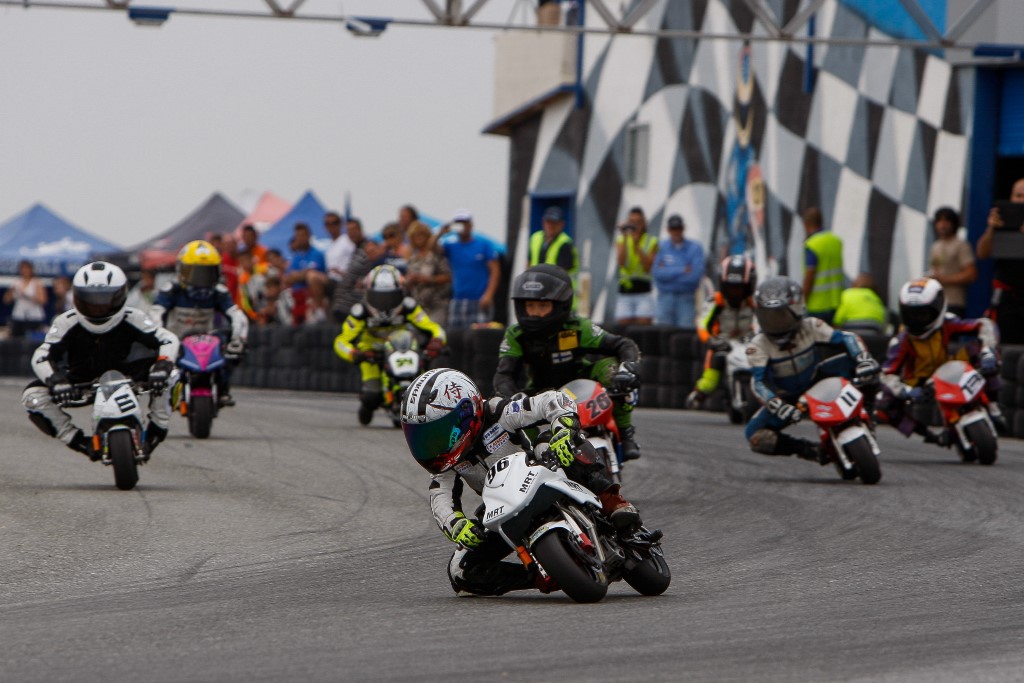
{"type": "Point", "coordinates": [53, 245]}
{"type": "Point", "coordinates": [307, 210]}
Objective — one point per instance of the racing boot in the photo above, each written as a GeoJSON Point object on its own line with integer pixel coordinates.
{"type": "Point", "coordinates": [998, 419]}
{"type": "Point", "coordinates": [225, 401]}
{"type": "Point", "coordinates": [770, 442]}
{"type": "Point", "coordinates": [83, 444]}
{"type": "Point", "coordinates": [630, 448]}
{"type": "Point", "coordinates": [810, 450]}
{"type": "Point", "coordinates": [695, 400]}
{"type": "Point", "coordinates": [154, 435]}
{"type": "Point", "coordinates": [619, 511]}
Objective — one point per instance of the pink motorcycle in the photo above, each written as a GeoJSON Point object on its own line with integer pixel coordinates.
{"type": "Point", "coordinates": [200, 362]}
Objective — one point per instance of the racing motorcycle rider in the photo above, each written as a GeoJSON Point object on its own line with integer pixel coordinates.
{"type": "Point", "coordinates": [556, 346]}
{"type": "Point", "coordinates": [97, 335]}
{"type": "Point", "coordinates": [787, 357]}
{"type": "Point", "coordinates": [731, 317]}
{"type": "Point", "coordinates": [384, 309]}
{"type": "Point", "coordinates": [456, 436]}
{"type": "Point", "coordinates": [930, 337]}
{"type": "Point", "coordinates": [191, 304]}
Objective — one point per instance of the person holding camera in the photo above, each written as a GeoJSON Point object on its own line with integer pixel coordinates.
{"type": "Point", "coordinates": [635, 249]}
{"type": "Point", "coordinates": [1007, 308]}
{"type": "Point", "coordinates": [475, 273]}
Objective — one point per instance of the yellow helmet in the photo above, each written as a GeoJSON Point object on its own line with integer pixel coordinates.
{"type": "Point", "coordinates": [198, 265]}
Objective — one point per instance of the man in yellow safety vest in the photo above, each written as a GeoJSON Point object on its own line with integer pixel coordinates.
{"type": "Point", "coordinates": [552, 246]}
{"type": "Point", "coordinates": [824, 280]}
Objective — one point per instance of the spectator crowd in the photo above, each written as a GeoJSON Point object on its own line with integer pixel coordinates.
{"type": "Point", "coordinates": [455, 275]}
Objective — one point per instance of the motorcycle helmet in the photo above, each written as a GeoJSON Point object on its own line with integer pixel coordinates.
{"type": "Point", "coordinates": [737, 280]}
{"type": "Point", "coordinates": [384, 293]}
{"type": "Point", "coordinates": [543, 283]}
{"type": "Point", "coordinates": [779, 309]}
{"type": "Point", "coordinates": [99, 292]}
{"type": "Point", "coordinates": [922, 307]}
{"type": "Point", "coordinates": [442, 415]}
{"type": "Point", "coordinates": [198, 268]}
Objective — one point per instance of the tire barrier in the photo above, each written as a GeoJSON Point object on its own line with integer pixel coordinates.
{"type": "Point", "coordinates": [303, 359]}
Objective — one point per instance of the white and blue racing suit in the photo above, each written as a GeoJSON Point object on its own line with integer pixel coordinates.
{"type": "Point", "coordinates": [816, 351]}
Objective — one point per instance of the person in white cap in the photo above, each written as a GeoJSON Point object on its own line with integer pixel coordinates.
{"type": "Point", "coordinates": [475, 273]}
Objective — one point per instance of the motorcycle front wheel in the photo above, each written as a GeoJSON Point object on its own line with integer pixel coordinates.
{"type": "Point", "coordinates": [985, 444]}
{"type": "Point", "coordinates": [122, 456]}
{"type": "Point", "coordinates": [862, 455]}
{"type": "Point", "coordinates": [579, 582]}
{"type": "Point", "coordinates": [200, 416]}
{"type": "Point", "coordinates": [650, 577]}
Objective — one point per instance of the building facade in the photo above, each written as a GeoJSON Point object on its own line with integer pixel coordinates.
{"type": "Point", "coordinates": [740, 136]}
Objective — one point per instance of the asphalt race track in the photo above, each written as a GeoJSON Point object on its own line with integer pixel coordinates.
{"type": "Point", "coordinates": [295, 545]}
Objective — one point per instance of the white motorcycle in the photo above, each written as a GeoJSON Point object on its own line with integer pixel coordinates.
{"type": "Point", "coordinates": [557, 529]}
{"type": "Point", "coordinates": [402, 363]}
{"type": "Point", "coordinates": [117, 425]}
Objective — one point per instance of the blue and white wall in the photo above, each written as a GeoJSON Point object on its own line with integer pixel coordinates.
{"type": "Point", "coordinates": [740, 147]}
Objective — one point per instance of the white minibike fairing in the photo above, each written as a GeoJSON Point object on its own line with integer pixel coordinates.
{"type": "Point", "coordinates": [742, 404]}
{"type": "Point", "coordinates": [556, 526]}
{"type": "Point", "coordinates": [117, 426]}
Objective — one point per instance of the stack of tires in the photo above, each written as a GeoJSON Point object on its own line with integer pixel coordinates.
{"type": "Point", "coordinates": [16, 357]}
{"type": "Point", "coordinates": [1011, 393]}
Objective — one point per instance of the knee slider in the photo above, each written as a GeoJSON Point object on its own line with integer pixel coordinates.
{"type": "Point", "coordinates": [764, 441]}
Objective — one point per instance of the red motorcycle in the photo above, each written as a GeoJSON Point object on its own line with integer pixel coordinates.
{"type": "Point", "coordinates": [836, 406]}
{"type": "Point", "coordinates": [594, 406]}
{"type": "Point", "coordinates": [960, 394]}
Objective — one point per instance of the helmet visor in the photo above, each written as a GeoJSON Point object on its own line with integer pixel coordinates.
{"type": "Point", "coordinates": [99, 303]}
{"type": "Point", "coordinates": [437, 444]}
{"type": "Point", "coordinates": [776, 321]}
{"type": "Point", "coordinates": [918, 318]}
{"type": "Point", "coordinates": [386, 300]}
{"type": "Point", "coordinates": [200, 277]}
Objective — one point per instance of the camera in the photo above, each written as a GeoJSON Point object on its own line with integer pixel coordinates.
{"type": "Point", "coordinates": [627, 227]}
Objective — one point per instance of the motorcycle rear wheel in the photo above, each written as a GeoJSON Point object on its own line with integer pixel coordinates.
{"type": "Point", "coordinates": [985, 444]}
{"type": "Point", "coordinates": [862, 455]}
{"type": "Point", "coordinates": [200, 416]}
{"type": "Point", "coordinates": [578, 582]}
{"type": "Point", "coordinates": [122, 455]}
{"type": "Point", "coordinates": [650, 577]}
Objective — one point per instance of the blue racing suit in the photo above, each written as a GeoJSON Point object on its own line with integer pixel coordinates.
{"type": "Point", "coordinates": [781, 376]}
{"type": "Point", "coordinates": [185, 313]}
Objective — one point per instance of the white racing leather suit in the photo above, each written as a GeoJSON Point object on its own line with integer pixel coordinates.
{"type": "Point", "coordinates": [131, 348]}
{"type": "Point", "coordinates": [480, 571]}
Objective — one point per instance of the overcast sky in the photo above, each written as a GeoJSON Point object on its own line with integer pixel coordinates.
{"type": "Point", "coordinates": [124, 130]}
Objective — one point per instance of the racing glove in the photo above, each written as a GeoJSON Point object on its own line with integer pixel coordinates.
{"type": "Point", "coordinates": [434, 347]}
{"type": "Point", "coordinates": [719, 344]}
{"type": "Point", "coordinates": [917, 394]}
{"type": "Point", "coordinates": [627, 377]}
{"type": "Point", "coordinates": [159, 375]}
{"type": "Point", "coordinates": [466, 532]}
{"type": "Point", "coordinates": [564, 432]}
{"type": "Point", "coordinates": [364, 357]}
{"type": "Point", "coordinates": [61, 388]}
{"type": "Point", "coordinates": [867, 369]}
{"type": "Point", "coordinates": [235, 350]}
{"type": "Point", "coordinates": [784, 411]}
{"type": "Point", "coordinates": [988, 363]}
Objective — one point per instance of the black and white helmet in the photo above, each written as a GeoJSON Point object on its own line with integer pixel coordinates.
{"type": "Point", "coordinates": [922, 306]}
{"type": "Point", "coordinates": [384, 293]}
{"type": "Point", "coordinates": [442, 415]}
{"type": "Point", "coordinates": [99, 291]}
{"type": "Point", "coordinates": [779, 308]}
{"type": "Point", "coordinates": [543, 282]}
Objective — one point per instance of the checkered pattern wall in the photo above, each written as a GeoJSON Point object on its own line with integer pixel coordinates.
{"type": "Point", "coordinates": [879, 142]}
